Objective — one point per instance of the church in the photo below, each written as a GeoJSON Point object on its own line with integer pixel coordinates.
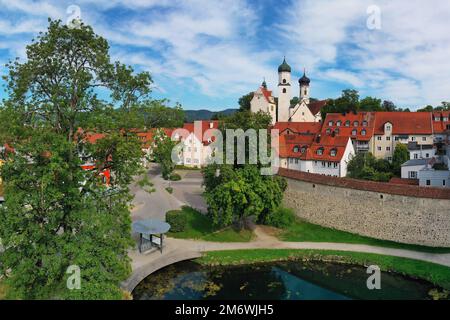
{"type": "Point", "coordinates": [281, 109]}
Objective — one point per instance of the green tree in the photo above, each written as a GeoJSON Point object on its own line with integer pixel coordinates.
{"type": "Point", "coordinates": [244, 102]}
{"type": "Point", "coordinates": [157, 114]}
{"type": "Point", "coordinates": [57, 214]}
{"type": "Point", "coordinates": [162, 153]}
{"type": "Point", "coordinates": [370, 104]}
{"type": "Point", "coordinates": [235, 194]}
{"type": "Point", "coordinates": [401, 155]}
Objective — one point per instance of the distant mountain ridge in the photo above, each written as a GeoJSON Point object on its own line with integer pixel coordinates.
{"type": "Point", "coordinates": [194, 115]}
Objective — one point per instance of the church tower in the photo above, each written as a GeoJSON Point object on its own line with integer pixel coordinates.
{"type": "Point", "coordinates": [304, 88]}
{"type": "Point", "coordinates": [284, 91]}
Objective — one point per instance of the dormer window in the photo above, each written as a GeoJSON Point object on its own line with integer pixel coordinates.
{"type": "Point", "coordinates": [445, 119]}
{"type": "Point", "coordinates": [347, 123]}
{"type": "Point", "coordinates": [355, 123]}
{"type": "Point", "coordinates": [303, 150]}
{"type": "Point", "coordinates": [354, 132]}
{"type": "Point", "coordinates": [330, 124]}
{"type": "Point", "coordinates": [437, 118]}
{"type": "Point", "coordinates": [338, 123]}
{"type": "Point", "coordinates": [328, 131]}
{"type": "Point", "coordinates": [333, 152]}
{"type": "Point", "coordinates": [363, 132]}
{"type": "Point", "coordinates": [336, 131]}
{"type": "Point", "coordinates": [364, 124]}
{"type": "Point", "coordinates": [320, 151]}
{"type": "Point", "coordinates": [296, 149]}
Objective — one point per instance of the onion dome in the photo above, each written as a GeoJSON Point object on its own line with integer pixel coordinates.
{"type": "Point", "coordinates": [304, 81]}
{"type": "Point", "coordinates": [284, 67]}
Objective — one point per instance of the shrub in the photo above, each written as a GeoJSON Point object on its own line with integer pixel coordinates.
{"type": "Point", "coordinates": [175, 177]}
{"type": "Point", "coordinates": [169, 190]}
{"type": "Point", "coordinates": [281, 218]}
{"type": "Point", "coordinates": [177, 220]}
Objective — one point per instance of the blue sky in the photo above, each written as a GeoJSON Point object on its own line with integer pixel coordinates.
{"type": "Point", "coordinates": [207, 53]}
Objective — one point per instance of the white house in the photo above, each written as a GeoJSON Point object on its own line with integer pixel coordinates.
{"type": "Point", "coordinates": [328, 155]}
{"type": "Point", "coordinates": [417, 151]}
{"type": "Point", "coordinates": [411, 168]}
{"type": "Point", "coordinates": [264, 101]}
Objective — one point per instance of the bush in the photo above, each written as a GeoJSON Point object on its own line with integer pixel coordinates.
{"type": "Point", "coordinates": [281, 218]}
{"type": "Point", "coordinates": [177, 220]}
{"type": "Point", "coordinates": [169, 190]}
{"type": "Point", "coordinates": [175, 177]}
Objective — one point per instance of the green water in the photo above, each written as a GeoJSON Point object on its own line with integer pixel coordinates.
{"type": "Point", "coordinates": [278, 281]}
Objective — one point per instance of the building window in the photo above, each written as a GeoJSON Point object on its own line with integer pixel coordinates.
{"type": "Point", "coordinates": [412, 175]}
{"type": "Point", "coordinates": [296, 161]}
{"type": "Point", "coordinates": [443, 182]}
{"type": "Point", "coordinates": [388, 148]}
{"type": "Point", "coordinates": [427, 155]}
{"type": "Point", "coordinates": [338, 123]}
{"type": "Point", "coordinates": [364, 123]}
{"type": "Point", "coordinates": [329, 164]}
{"type": "Point", "coordinates": [396, 138]}
{"type": "Point", "coordinates": [188, 160]}
{"type": "Point", "coordinates": [379, 138]}
{"type": "Point", "coordinates": [416, 156]}
{"type": "Point", "coordinates": [296, 149]}
{"type": "Point", "coordinates": [335, 164]}
{"type": "Point", "coordinates": [437, 118]}
{"type": "Point", "coordinates": [336, 131]}
{"type": "Point", "coordinates": [424, 138]}
{"type": "Point", "coordinates": [333, 152]}
{"type": "Point", "coordinates": [320, 151]}
{"type": "Point", "coordinates": [284, 81]}
{"type": "Point", "coordinates": [388, 128]}
{"type": "Point", "coordinates": [323, 164]}
{"type": "Point", "coordinates": [413, 138]}
{"type": "Point", "coordinates": [328, 131]}
{"type": "Point", "coordinates": [388, 138]}
{"type": "Point", "coordinates": [347, 123]}
{"type": "Point", "coordinates": [291, 160]}
{"type": "Point", "coordinates": [389, 158]}
{"type": "Point", "coordinates": [356, 123]}
{"type": "Point", "coordinates": [428, 182]}
{"type": "Point", "coordinates": [363, 132]}
{"type": "Point", "coordinates": [303, 150]}
{"type": "Point", "coordinates": [445, 119]}
{"type": "Point", "coordinates": [379, 148]}
{"type": "Point", "coordinates": [284, 90]}
{"type": "Point", "coordinates": [354, 132]}
{"type": "Point", "coordinates": [330, 124]}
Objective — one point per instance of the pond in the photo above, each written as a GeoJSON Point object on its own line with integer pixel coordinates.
{"type": "Point", "coordinates": [278, 281]}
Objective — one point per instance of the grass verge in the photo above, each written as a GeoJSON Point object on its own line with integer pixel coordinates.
{"type": "Point", "coordinates": [434, 273]}
{"type": "Point", "coordinates": [200, 227]}
{"type": "Point", "coordinates": [2, 290]}
{"type": "Point", "coordinates": [302, 231]}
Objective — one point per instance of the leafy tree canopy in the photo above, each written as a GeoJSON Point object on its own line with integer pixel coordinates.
{"type": "Point", "coordinates": [56, 214]}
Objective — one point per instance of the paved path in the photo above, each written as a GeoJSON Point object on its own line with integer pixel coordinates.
{"type": "Point", "coordinates": [178, 250]}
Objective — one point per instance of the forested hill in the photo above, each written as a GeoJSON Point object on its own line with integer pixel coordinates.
{"type": "Point", "coordinates": [193, 115]}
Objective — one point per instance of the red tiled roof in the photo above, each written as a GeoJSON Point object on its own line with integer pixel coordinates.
{"type": "Point", "coordinates": [379, 187]}
{"type": "Point", "coordinates": [407, 123]}
{"type": "Point", "coordinates": [298, 127]}
{"type": "Point", "coordinates": [205, 126]}
{"type": "Point", "coordinates": [312, 144]}
{"type": "Point", "coordinates": [347, 124]}
{"type": "Point", "coordinates": [440, 127]}
{"type": "Point", "coordinates": [316, 106]}
{"type": "Point", "coordinates": [266, 93]}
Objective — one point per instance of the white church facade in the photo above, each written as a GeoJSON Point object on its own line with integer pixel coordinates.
{"type": "Point", "coordinates": [282, 111]}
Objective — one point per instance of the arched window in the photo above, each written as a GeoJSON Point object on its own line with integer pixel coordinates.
{"type": "Point", "coordinates": [320, 151]}
{"type": "Point", "coordinates": [363, 132]}
{"type": "Point", "coordinates": [296, 149]}
{"type": "Point", "coordinates": [284, 80]}
{"type": "Point", "coordinates": [356, 123]}
{"type": "Point", "coordinates": [284, 90]}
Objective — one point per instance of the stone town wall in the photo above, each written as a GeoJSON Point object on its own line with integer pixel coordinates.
{"type": "Point", "coordinates": [402, 213]}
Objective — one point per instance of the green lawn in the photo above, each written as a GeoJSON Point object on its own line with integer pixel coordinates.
{"type": "Point", "coordinates": [302, 231]}
{"type": "Point", "coordinates": [200, 227]}
{"type": "Point", "coordinates": [437, 274]}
